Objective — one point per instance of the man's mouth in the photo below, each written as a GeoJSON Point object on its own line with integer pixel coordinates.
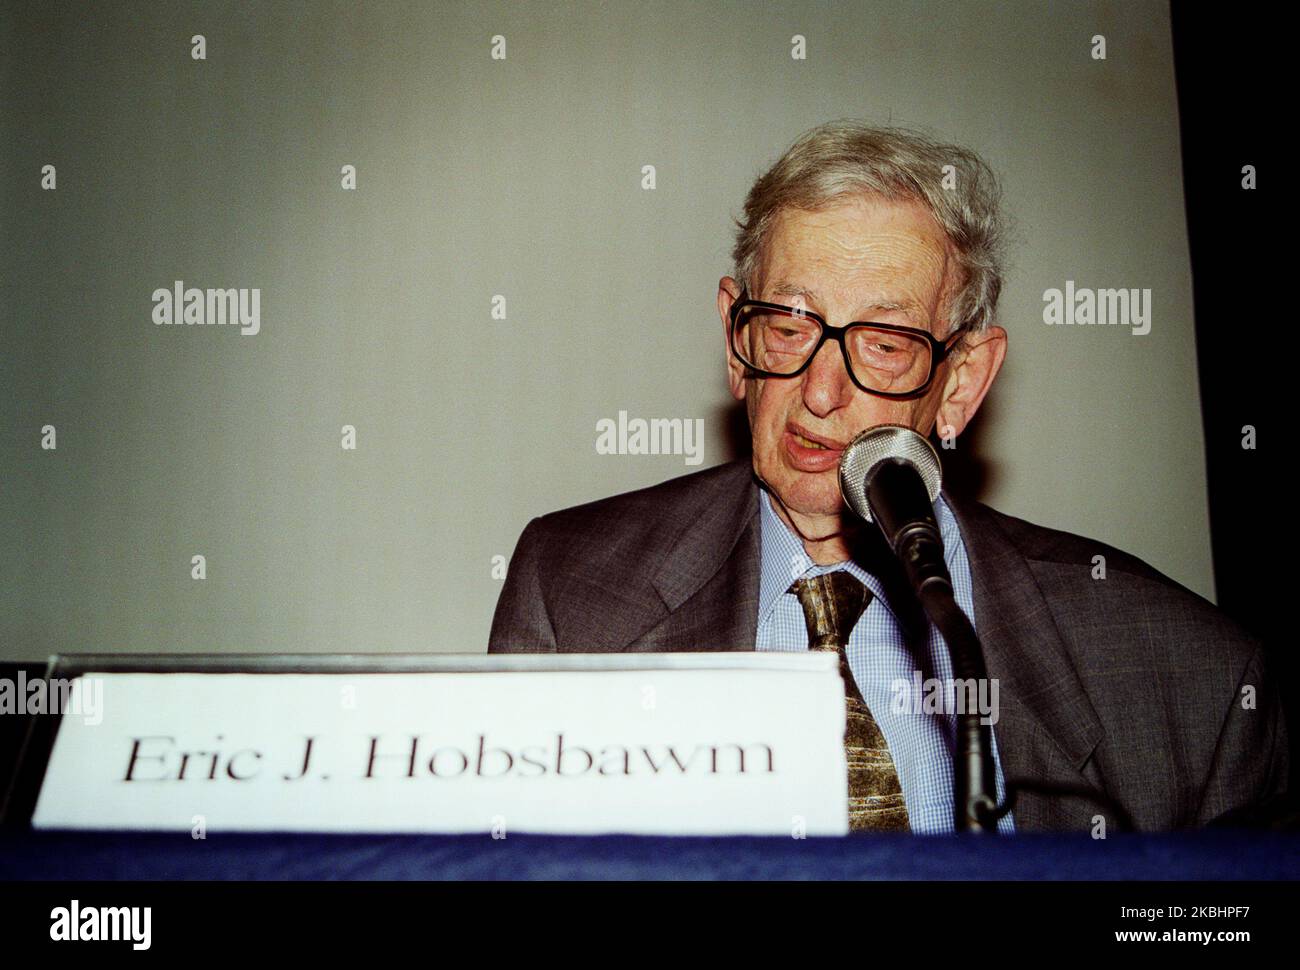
{"type": "Point", "coordinates": [807, 454]}
{"type": "Point", "coordinates": [808, 443]}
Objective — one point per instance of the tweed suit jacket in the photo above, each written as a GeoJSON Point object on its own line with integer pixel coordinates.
{"type": "Point", "coordinates": [1130, 686]}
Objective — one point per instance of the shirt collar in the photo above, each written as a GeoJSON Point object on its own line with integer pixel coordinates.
{"type": "Point", "coordinates": [783, 559]}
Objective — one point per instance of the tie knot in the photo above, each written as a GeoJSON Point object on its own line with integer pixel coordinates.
{"type": "Point", "coordinates": [832, 604]}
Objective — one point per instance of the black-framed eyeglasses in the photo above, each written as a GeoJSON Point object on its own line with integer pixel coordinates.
{"type": "Point", "coordinates": [883, 359]}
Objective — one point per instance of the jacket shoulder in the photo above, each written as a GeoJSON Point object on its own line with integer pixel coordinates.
{"type": "Point", "coordinates": [1043, 544]}
{"type": "Point", "coordinates": [683, 494]}
{"type": "Point", "coordinates": [1118, 587]}
{"type": "Point", "coordinates": [645, 522]}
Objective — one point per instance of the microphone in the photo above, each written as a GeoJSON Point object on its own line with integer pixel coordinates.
{"type": "Point", "coordinates": [890, 475]}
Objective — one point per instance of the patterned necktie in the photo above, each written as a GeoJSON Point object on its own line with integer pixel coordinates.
{"type": "Point", "coordinates": [832, 603]}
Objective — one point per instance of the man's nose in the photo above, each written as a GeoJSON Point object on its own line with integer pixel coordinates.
{"type": "Point", "coordinates": [826, 382]}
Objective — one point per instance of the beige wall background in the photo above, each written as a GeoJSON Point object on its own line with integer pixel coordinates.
{"type": "Point", "coordinates": [519, 177]}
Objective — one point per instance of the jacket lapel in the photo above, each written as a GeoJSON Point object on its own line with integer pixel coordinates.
{"type": "Point", "coordinates": [709, 580]}
{"type": "Point", "coordinates": [1047, 728]}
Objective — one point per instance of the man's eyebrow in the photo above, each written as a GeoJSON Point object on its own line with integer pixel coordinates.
{"type": "Point", "coordinates": [786, 288]}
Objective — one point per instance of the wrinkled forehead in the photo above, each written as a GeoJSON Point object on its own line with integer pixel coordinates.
{"type": "Point", "coordinates": [866, 253]}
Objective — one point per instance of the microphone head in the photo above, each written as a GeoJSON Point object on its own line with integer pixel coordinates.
{"type": "Point", "coordinates": [864, 454]}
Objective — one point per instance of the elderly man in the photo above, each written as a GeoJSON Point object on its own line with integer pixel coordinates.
{"type": "Point", "coordinates": [866, 278]}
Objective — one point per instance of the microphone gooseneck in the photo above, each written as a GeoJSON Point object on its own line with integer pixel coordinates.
{"type": "Point", "coordinates": [890, 475]}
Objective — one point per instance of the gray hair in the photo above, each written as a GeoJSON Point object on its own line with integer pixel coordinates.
{"type": "Point", "coordinates": [847, 158]}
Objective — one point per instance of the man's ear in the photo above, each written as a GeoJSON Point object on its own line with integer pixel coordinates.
{"type": "Point", "coordinates": [728, 293]}
{"type": "Point", "coordinates": [971, 374]}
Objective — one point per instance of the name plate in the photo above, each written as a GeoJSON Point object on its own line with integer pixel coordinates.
{"type": "Point", "coordinates": [681, 744]}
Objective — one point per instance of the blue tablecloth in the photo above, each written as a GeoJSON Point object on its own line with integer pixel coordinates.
{"type": "Point", "coordinates": [1216, 855]}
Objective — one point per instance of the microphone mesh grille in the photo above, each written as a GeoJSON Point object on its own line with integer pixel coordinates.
{"type": "Point", "coordinates": [878, 444]}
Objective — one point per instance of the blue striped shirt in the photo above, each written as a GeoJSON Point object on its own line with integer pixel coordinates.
{"type": "Point", "coordinates": [922, 744]}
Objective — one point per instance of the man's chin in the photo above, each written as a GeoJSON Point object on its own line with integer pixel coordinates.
{"type": "Point", "coordinates": [808, 494]}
